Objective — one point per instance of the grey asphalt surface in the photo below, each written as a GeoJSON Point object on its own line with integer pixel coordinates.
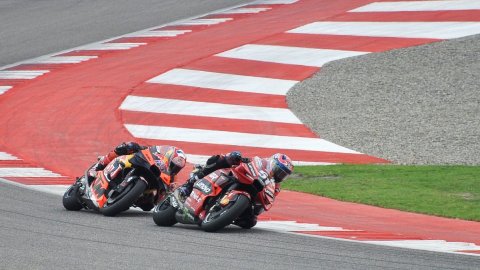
{"type": "Point", "coordinates": [37, 233]}
{"type": "Point", "coordinates": [418, 105]}
{"type": "Point", "coordinates": [30, 28]}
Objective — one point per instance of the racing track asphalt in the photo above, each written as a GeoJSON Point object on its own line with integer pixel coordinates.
{"type": "Point", "coordinates": [37, 233]}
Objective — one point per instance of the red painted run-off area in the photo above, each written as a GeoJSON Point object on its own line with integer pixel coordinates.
{"type": "Point", "coordinates": [65, 118]}
{"type": "Point", "coordinates": [62, 120]}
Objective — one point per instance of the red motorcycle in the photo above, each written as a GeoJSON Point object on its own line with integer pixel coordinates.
{"type": "Point", "coordinates": [219, 199]}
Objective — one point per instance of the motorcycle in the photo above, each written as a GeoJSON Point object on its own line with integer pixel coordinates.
{"type": "Point", "coordinates": [129, 180]}
{"type": "Point", "coordinates": [219, 199]}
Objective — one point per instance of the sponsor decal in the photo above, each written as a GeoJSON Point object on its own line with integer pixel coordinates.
{"type": "Point", "coordinates": [196, 197]}
{"type": "Point", "coordinates": [204, 186]}
{"type": "Point", "coordinates": [252, 169]}
{"type": "Point", "coordinates": [262, 175]}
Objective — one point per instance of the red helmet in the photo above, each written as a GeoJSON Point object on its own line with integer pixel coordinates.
{"type": "Point", "coordinates": [176, 161]}
{"type": "Point", "coordinates": [170, 159]}
{"type": "Point", "coordinates": [281, 166]}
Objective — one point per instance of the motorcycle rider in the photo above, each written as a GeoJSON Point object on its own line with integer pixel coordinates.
{"type": "Point", "coordinates": [173, 164]}
{"type": "Point", "coordinates": [170, 161]}
{"type": "Point", "coordinates": [277, 167]}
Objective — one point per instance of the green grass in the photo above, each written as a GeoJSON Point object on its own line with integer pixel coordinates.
{"type": "Point", "coordinates": [448, 191]}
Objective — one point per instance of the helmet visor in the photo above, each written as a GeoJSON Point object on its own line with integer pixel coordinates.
{"type": "Point", "coordinates": [176, 165]}
{"type": "Point", "coordinates": [280, 174]}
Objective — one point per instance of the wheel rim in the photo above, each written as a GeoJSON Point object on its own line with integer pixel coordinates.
{"type": "Point", "coordinates": [212, 215]}
{"type": "Point", "coordinates": [111, 200]}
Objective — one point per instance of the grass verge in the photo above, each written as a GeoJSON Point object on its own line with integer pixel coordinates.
{"type": "Point", "coordinates": [448, 191]}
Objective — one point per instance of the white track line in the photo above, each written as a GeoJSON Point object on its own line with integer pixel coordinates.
{"type": "Point", "coordinates": [64, 59]}
{"type": "Point", "coordinates": [288, 55]}
{"type": "Point", "coordinates": [223, 81]}
{"type": "Point", "coordinates": [7, 156]}
{"type": "Point", "coordinates": [26, 172]}
{"type": "Point", "coordinates": [205, 109]}
{"type": "Point", "coordinates": [274, 2]}
{"type": "Point", "coordinates": [437, 30]}
{"type": "Point", "coordinates": [4, 89]}
{"type": "Point", "coordinates": [158, 33]}
{"type": "Point", "coordinates": [291, 226]}
{"type": "Point", "coordinates": [431, 245]}
{"type": "Point", "coordinates": [111, 46]}
{"type": "Point", "coordinates": [202, 159]}
{"type": "Point", "coordinates": [419, 6]}
{"type": "Point", "coordinates": [235, 138]}
{"type": "Point", "coordinates": [21, 74]}
{"type": "Point", "coordinates": [204, 21]}
{"type": "Point", "coordinates": [244, 11]}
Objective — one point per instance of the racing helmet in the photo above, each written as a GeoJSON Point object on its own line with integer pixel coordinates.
{"type": "Point", "coordinates": [281, 167]}
{"type": "Point", "coordinates": [177, 161]}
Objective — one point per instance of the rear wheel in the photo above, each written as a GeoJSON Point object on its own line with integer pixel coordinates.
{"type": "Point", "coordinates": [122, 201]}
{"type": "Point", "coordinates": [216, 219]}
{"type": "Point", "coordinates": [71, 200]}
{"type": "Point", "coordinates": [164, 213]}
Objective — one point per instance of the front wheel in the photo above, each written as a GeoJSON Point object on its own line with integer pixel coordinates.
{"type": "Point", "coordinates": [216, 219]}
{"type": "Point", "coordinates": [124, 200]}
{"type": "Point", "coordinates": [71, 200]}
{"type": "Point", "coordinates": [164, 214]}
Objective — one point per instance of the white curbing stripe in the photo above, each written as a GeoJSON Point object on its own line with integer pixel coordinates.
{"type": "Point", "coordinates": [235, 138]}
{"type": "Point", "coordinates": [223, 81]}
{"type": "Point", "coordinates": [26, 172]}
{"type": "Point", "coordinates": [4, 89]}
{"type": "Point", "coordinates": [292, 226]}
{"type": "Point", "coordinates": [63, 59]}
{"type": "Point", "coordinates": [7, 156]}
{"type": "Point", "coordinates": [273, 2]}
{"type": "Point", "coordinates": [205, 109]}
{"type": "Point", "coordinates": [434, 30]}
{"type": "Point", "coordinates": [431, 245]}
{"type": "Point", "coordinates": [159, 33]}
{"type": "Point", "coordinates": [21, 74]}
{"type": "Point", "coordinates": [419, 6]}
{"type": "Point", "coordinates": [244, 10]}
{"type": "Point", "coordinates": [110, 46]}
{"type": "Point", "coordinates": [204, 21]}
{"type": "Point", "coordinates": [201, 159]}
{"type": "Point", "coordinates": [288, 55]}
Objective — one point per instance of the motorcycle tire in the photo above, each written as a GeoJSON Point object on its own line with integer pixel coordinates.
{"type": "Point", "coordinates": [164, 214]}
{"type": "Point", "coordinates": [126, 200]}
{"type": "Point", "coordinates": [70, 200]}
{"type": "Point", "coordinates": [215, 221]}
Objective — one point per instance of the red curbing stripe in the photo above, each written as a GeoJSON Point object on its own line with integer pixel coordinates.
{"type": "Point", "coordinates": [209, 95]}
{"type": "Point", "coordinates": [213, 123]}
{"type": "Point", "coordinates": [410, 16]}
{"type": "Point", "coordinates": [41, 180]}
{"type": "Point", "coordinates": [362, 235]}
{"type": "Point", "coordinates": [297, 155]}
{"type": "Point", "coordinates": [253, 68]}
{"type": "Point", "coordinates": [469, 251]}
{"type": "Point", "coordinates": [340, 42]}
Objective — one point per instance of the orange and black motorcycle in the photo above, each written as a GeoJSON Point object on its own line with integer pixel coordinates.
{"type": "Point", "coordinates": [130, 180]}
